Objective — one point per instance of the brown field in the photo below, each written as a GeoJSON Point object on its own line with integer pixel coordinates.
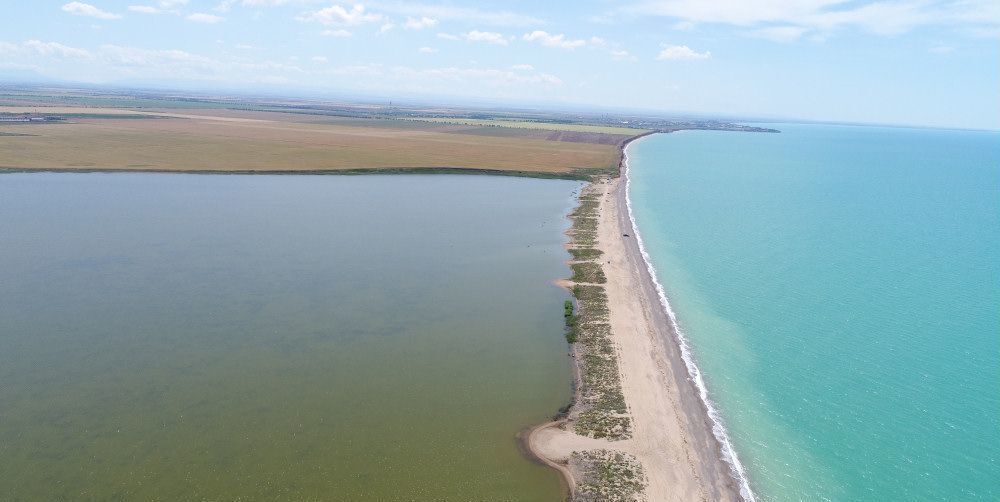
{"type": "Point", "coordinates": [234, 140]}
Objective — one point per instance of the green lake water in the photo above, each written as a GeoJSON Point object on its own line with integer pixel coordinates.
{"type": "Point", "coordinates": [840, 289]}
{"type": "Point", "coordinates": [201, 337]}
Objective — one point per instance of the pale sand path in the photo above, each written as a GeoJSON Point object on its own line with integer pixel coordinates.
{"type": "Point", "coordinates": [672, 435]}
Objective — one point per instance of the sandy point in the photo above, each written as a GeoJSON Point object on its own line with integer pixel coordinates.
{"type": "Point", "coordinates": [671, 433]}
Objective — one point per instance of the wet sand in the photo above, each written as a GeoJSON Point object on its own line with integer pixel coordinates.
{"type": "Point", "coordinates": [672, 432]}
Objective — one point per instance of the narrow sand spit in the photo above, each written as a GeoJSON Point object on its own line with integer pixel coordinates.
{"type": "Point", "coordinates": [671, 431]}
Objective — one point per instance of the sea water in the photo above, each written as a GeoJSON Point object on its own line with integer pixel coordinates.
{"type": "Point", "coordinates": [840, 290]}
{"type": "Point", "coordinates": [204, 337]}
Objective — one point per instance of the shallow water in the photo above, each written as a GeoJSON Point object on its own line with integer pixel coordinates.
{"type": "Point", "coordinates": [840, 287]}
{"type": "Point", "coordinates": [200, 337]}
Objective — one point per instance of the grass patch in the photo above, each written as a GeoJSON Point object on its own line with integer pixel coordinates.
{"type": "Point", "coordinates": [589, 207]}
{"type": "Point", "coordinates": [584, 231]}
{"type": "Point", "coordinates": [608, 475]}
{"type": "Point", "coordinates": [588, 272]}
{"type": "Point", "coordinates": [593, 302]}
{"type": "Point", "coordinates": [600, 409]}
{"type": "Point", "coordinates": [570, 317]}
{"type": "Point", "coordinates": [585, 253]}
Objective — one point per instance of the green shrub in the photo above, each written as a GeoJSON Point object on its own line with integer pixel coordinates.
{"type": "Point", "coordinates": [582, 254]}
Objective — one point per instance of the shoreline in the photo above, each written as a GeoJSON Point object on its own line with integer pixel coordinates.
{"type": "Point", "coordinates": [704, 445]}
{"type": "Point", "coordinates": [718, 428]}
{"type": "Point", "coordinates": [672, 432]}
{"type": "Point", "coordinates": [580, 175]}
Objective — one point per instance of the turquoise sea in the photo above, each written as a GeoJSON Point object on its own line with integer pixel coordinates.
{"type": "Point", "coordinates": [840, 290]}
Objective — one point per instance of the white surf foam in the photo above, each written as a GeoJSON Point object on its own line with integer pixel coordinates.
{"type": "Point", "coordinates": [718, 429]}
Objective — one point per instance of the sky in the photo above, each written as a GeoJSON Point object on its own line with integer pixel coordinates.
{"type": "Point", "coordinates": [908, 62]}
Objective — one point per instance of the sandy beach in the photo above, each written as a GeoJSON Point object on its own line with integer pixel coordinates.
{"type": "Point", "coordinates": [671, 429]}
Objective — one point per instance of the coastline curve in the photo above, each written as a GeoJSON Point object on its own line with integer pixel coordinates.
{"type": "Point", "coordinates": [729, 455]}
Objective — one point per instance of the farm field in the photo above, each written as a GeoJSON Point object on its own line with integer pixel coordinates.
{"type": "Point", "coordinates": [199, 139]}
{"type": "Point", "coordinates": [529, 124]}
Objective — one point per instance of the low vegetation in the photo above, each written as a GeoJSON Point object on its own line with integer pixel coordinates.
{"type": "Point", "coordinates": [588, 272]}
{"type": "Point", "coordinates": [584, 229]}
{"type": "Point", "coordinates": [608, 476]}
{"type": "Point", "coordinates": [570, 321]}
{"type": "Point", "coordinates": [602, 412]}
{"type": "Point", "coordinates": [585, 253]}
{"type": "Point", "coordinates": [600, 409]}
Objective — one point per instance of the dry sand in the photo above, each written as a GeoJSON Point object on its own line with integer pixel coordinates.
{"type": "Point", "coordinates": [672, 435]}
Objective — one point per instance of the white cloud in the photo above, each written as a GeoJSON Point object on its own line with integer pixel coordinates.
{"type": "Point", "coordinates": [601, 19]}
{"type": "Point", "coordinates": [984, 31]}
{"type": "Point", "coordinates": [227, 5]}
{"type": "Point", "coordinates": [267, 3]}
{"type": "Point", "coordinates": [421, 23]}
{"type": "Point", "coordinates": [459, 80]}
{"type": "Point", "coordinates": [621, 55]}
{"type": "Point", "coordinates": [460, 14]}
{"type": "Point", "coordinates": [883, 17]}
{"type": "Point", "coordinates": [337, 33]}
{"type": "Point", "coordinates": [386, 27]}
{"type": "Point", "coordinates": [125, 62]}
{"type": "Point", "coordinates": [522, 67]}
{"type": "Point", "coordinates": [131, 56]}
{"type": "Point", "coordinates": [596, 43]}
{"type": "Point", "coordinates": [85, 9]}
{"type": "Point", "coordinates": [403, 78]}
{"type": "Point", "coordinates": [550, 40]}
{"type": "Point", "coordinates": [680, 53]}
{"type": "Point", "coordinates": [448, 36]}
{"type": "Point", "coordinates": [738, 12]}
{"type": "Point", "coordinates": [427, 50]}
{"type": "Point", "coordinates": [485, 36]}
{"type": "Point", "coordinates": [161, 6]}
{"type": "Point", "coordinates": [201, 17]}
{"type": "Point", "coordinates": [341, 16]}
{"type": "Point", "coordinates": [37, 51]}
{"type": "Point", "coordinates": [780, 33]}
{"type": "Point", "coordinates": [358, 70]}
{"type": "Point", "coordinates": [475, 76]}
{"type": "Point", "coordinates": [56, 49]}
{"type": "Point", "coordinates": [132, 61]}
{"type": "Point", "coordinates": [145, 9]}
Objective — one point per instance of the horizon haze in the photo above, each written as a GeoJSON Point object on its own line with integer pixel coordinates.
{"type": "Point", "coordinates": [902, 62]}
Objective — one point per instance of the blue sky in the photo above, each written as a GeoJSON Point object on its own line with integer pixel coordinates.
{"type": "Point", "coordinates": [917, 62]}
